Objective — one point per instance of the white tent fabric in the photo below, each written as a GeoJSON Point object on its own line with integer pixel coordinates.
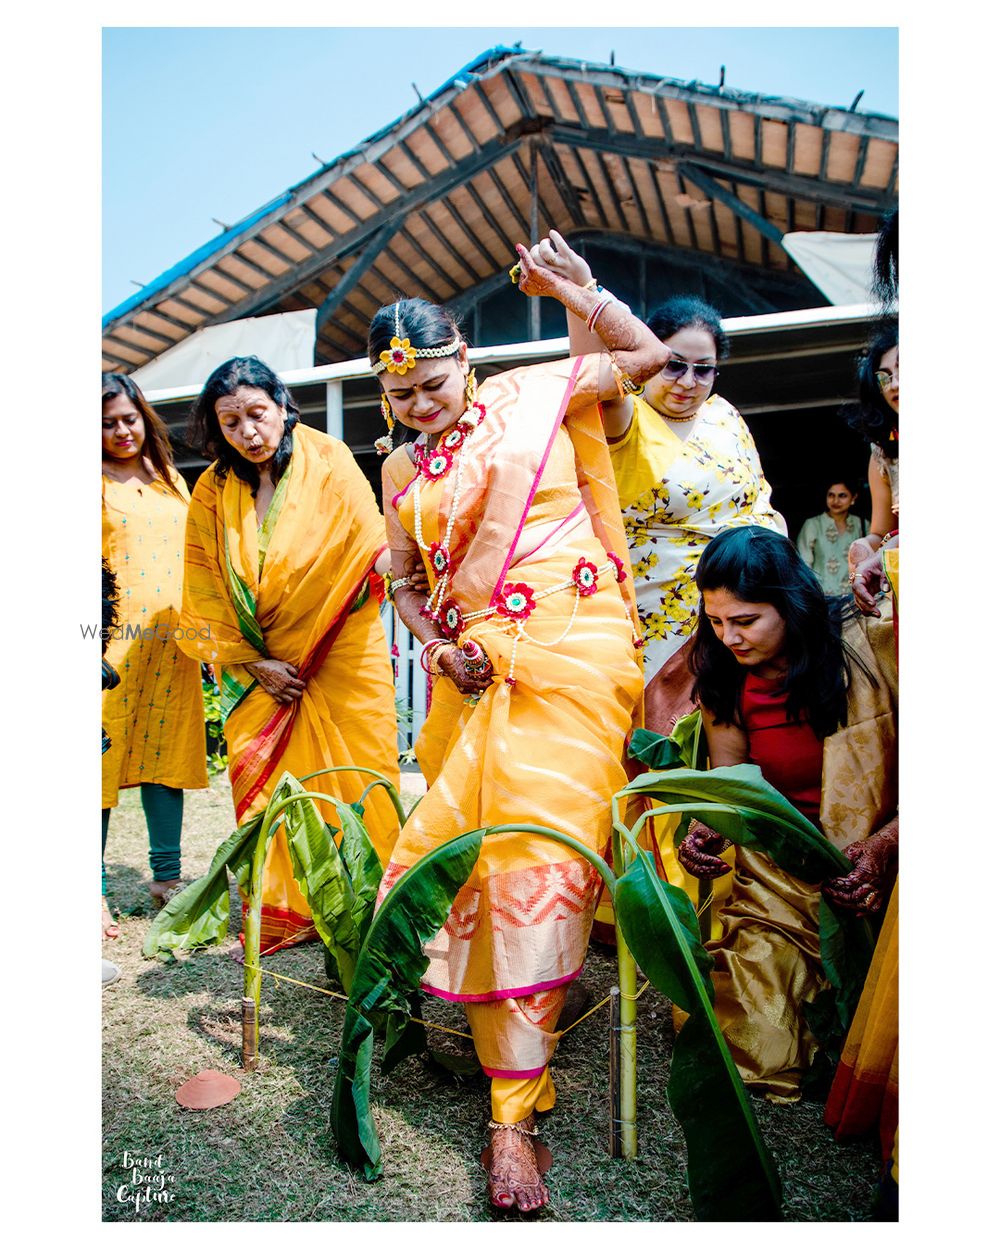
{"type": "Point", "coordinates": [286, 341]}
{"type": "Point", "coordinates": [839, 264]}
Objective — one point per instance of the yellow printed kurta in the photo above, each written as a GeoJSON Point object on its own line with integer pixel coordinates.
{"type": "Point", "coordinates": [676, 495]}
{"type": "Point", "coordinates": [545, 747]}
{"type": "Point", "coordinates": [308, 602]}
{"type": "Point", "coordinates": [155, 717]}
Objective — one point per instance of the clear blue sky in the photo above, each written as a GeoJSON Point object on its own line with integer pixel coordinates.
{"type": "Point", "coordinates": [213, 122]}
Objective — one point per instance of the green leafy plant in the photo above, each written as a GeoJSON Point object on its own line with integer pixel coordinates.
{"type": "Point", "coordinates": [216, 751]}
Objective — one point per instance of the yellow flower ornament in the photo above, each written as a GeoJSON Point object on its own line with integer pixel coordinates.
{"type": "Point", "coordinates": [400, 357]}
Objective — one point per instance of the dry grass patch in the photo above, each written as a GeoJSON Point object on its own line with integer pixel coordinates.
{"type": "Point", "coordinates": [269, 1154]}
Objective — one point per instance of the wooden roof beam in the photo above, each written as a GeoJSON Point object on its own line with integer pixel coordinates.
{"type": "Point", "coordinates": [354, 275]}
{"type": "Point", "coordinates": [716, 191]}
{"type": "Point", "coordinates": [349, 244]}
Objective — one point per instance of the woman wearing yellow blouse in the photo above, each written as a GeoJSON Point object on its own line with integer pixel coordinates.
{"type": "Point", "coordinates": [154, 717]}
{"type": "Point", "coordinates": [686, 468]}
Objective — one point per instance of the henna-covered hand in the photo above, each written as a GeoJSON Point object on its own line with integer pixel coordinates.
{"type": "Point", "coordinates": [868, 580]}
{"type": "Point", "coordinates": [866, 888]}
{"type": "Point", "coordinates": [699, 852]}
{"type": "Point", "coordinates": [451, 662]}
{"type": "Point", "coordinates": [279, 678]}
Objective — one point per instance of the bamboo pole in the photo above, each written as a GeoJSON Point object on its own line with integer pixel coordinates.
{"type": "Point", "coordinates": [627, 985]}
{"type": "Point", "coordinates": [614, 1074]}
{"type": "Point", "coordinates": [251, 952]}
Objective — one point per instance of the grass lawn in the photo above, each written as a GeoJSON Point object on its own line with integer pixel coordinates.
{"type": "Point", "coordinates": [269, 1154]}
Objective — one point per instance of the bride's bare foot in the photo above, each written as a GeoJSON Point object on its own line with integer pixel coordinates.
{"type": "Point", "coordinates": [514, 1178]}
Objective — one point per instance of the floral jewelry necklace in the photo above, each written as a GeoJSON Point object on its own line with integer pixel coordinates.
{"type": "Point", "coordinates": [433, 465]}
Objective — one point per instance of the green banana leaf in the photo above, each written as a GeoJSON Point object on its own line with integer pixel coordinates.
{"type": "Point", "coordinates": [740, 804]}
{"type": "Point", "coordinates": [730, 1172]}
{"type": "Point", "coordinates": [683, 747]}
{"type": "Point", "coordinates": [322, 877]}
{"type": "Point", "coordinates": [199, 914]}
{"type": "Point", "coordinates": [362, 862]}
{"type": "Point", "coordinates": [388, 971]}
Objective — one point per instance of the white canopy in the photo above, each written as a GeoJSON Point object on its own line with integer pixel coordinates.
{"type": "Point", "coordinates": [839, 264]}
{"type": "Point", "coordinates": [285, 341]}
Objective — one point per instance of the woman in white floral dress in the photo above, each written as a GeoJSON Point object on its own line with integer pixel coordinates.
{"type": "Point", "coordinates": [686, 468]}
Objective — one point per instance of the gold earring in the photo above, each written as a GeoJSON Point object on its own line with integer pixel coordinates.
{"type": "Point", "coordinates": [470, 388]}
{"type": "Point", "coordinates": [390, 420]}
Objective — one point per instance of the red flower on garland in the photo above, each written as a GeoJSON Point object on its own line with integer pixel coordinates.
{"type": "Point", "coordinates": [451, 619]}
{"type": "Point", "coordinates": [517, 601]}
{"type": "Point", "coordinates": [435, 465]}
{"type": "Point", "coordinates": [585, 577]}
{"type": "Point", "coordinates": [619, 564]}
{"type": "Point", "coordinates": [440, 559]}
{"type": "Point", "coordinates": [454, 438]}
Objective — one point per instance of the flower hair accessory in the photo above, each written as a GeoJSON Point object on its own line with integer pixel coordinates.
{"type": "Point", "coordinates": [401, 356]}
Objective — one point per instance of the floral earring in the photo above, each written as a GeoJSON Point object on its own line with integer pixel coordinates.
{"type": "Point", "coordinates": [470, 388]}
{"type": "Point", "coordinates": [383, 445]}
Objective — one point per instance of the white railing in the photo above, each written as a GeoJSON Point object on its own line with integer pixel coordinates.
{"type": "Point", "coordinates": [412, 685]}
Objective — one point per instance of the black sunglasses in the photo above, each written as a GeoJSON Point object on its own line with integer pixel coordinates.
{"type": "Point", "coordinates": [676, 367]}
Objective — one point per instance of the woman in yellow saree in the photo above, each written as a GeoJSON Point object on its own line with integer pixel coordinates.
{"type": "Point", "coordinates": [282, 540]}
{"type": "Point", "coordinates": [506, 501]}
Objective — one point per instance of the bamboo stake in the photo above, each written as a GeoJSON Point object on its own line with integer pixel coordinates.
{"type": "Point", "coordinates": [627, 984]}
{"type": "Point", "coordinates": [614, 1074]}
{"type": "Point", "coordinates": [251, 953]}
{"type": "Point", "coordinates": [249, 1056]}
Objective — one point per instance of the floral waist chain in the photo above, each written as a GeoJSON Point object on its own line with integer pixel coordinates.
{"type": "Point", "coordinates": [516, 602]}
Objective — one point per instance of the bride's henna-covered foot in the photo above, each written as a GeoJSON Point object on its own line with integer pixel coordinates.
{"type": "Point", "coordinates": [514, 1177]}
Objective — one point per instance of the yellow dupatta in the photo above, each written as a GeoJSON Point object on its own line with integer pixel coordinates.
{"type": "Point", "coordinates": [321, 549]}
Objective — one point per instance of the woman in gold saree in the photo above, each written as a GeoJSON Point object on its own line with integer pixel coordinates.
{"type": "Point", "coordinates": [785, 684]}
{"type": "Point", "coordinates": [282, 540]}
{"type": "Point", "coordinates": [506, 501]}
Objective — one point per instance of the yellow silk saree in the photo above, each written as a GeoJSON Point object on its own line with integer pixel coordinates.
{"type": "Point", "coordinates": [544, 744]}
{"type": "Point", "coordinates": [297, 587]}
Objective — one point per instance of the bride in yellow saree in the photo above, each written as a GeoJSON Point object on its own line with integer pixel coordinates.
{"type": "Point", "coordinates": [506, 502]}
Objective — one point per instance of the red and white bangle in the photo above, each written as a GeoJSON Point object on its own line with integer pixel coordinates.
{"type": "Point", "coordinates": [599, 307]}
{"type": "Point", "coordinates": [427, 653]}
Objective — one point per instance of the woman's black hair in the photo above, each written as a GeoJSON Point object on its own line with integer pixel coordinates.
{"type": "Point", "coordinates": [681, 311]}
{"type": "Point", "coordinates": [760, 566]}
{"type": "Point", "coordinates": [871, 416]}
{"type": "Point", "coordinates": [885, 262]}
{"type": "Point", "coordinates": [205, 433]}
{"type": "Point", "coordinates": [424, 324]}
{"type": "Point", "coordinates": [156, 447]}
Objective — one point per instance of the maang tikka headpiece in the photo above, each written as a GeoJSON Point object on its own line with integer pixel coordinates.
{"type": "Point", "coordinates": [400, 357]}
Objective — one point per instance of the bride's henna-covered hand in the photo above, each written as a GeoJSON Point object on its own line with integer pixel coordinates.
{"type": "Point", "coordinates": [866, 888]}
{"type": "Point", "coordinates": [699, 852]}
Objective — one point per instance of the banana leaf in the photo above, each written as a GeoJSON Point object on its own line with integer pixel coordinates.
{"type": "Point", "coordinates": [683, 747]}
{"type": "Point", "coordinates": [199, 914]}
{"type": "Point", "coordinates": [323, 878]}
{"type": "Point", "coordinates": [362, 862]}
{"type": "Point", "coordinates": [740, 804]}
{"type": "Point", "coordinates": [730, 1172]}
{"type": "Point", "coordinates": [388, 971]}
